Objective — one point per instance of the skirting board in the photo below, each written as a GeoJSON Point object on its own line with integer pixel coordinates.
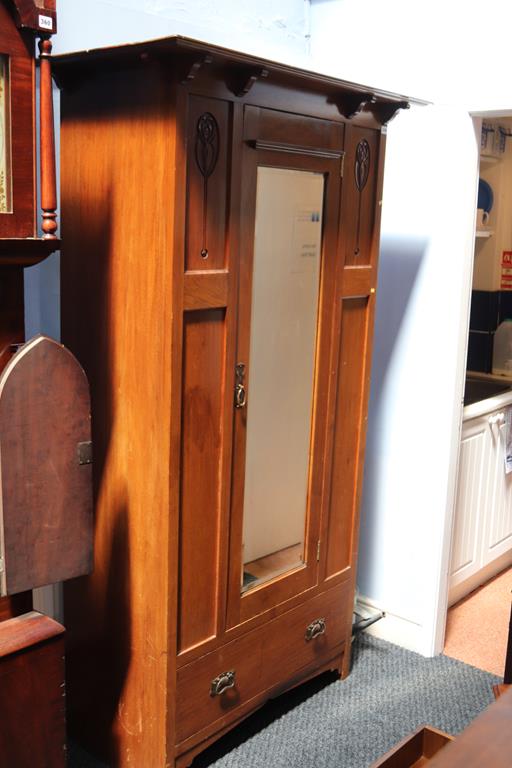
{"type": "Point", "coordinates": [396, 629]}
{"type": "Point", "coordinates": [486, 573]}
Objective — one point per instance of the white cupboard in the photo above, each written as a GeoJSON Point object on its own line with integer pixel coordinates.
{"type": "Point", "coordinates": [482, 536]}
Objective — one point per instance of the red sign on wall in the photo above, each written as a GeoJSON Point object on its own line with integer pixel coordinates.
{"type": "Point", "coordinates": [506, 271]}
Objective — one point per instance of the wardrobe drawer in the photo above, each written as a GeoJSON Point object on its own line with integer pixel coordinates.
{"type": "Point", "coordinates": [311, 632]}
{"type": "Point", "coordinates": [216, 684]}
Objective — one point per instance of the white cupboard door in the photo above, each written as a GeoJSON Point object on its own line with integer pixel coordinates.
{"type": "Point", "coordinates": [474, 467]}
{"type": "Point", "coordinates": [497, 523]}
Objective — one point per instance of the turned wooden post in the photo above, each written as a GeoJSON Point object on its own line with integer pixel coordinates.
{"type": "Point", "coordinates": [47, 146]}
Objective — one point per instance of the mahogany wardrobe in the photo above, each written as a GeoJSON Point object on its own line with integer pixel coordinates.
{"type": "Point", "coordinates": [220, 220]}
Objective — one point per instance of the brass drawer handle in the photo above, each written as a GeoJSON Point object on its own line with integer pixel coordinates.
{"type": "Point", "coordinates": [222, 683]}
{"type": "Point", "coordinates": [315, 629]}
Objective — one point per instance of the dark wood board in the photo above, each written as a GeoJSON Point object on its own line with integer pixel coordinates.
{"type": "Point", "coordinates": [486, 741]}
{"type": "Point", "coordinates": [26, 251]}
{"type": "Point", "coordinates": [415, 750]}
{"type": "Point", "coordinates": [32, 710]}
{"type": "Point", "coordinates": [46, 492]}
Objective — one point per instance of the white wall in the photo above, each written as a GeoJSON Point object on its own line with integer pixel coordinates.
{"type": "Point", "coordinates": [454, 54]}
{"type": "Point", "coordinates": [419, 357]}
{"type": "Point", "coordinates": [264, 28]}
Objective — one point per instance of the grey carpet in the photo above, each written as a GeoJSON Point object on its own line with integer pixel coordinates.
{"type": "Point", "coordinates": [329, 723]}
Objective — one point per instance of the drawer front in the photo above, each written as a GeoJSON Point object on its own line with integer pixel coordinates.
{"type": "Point", "coordinates": [307, 634]}
{"type": "Point", "coordinates": [200, 696]}
{"type": "Point", "coordinates": [218, 684]}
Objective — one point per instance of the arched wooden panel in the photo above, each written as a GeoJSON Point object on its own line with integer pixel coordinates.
{"type": "Point", "coordinates": [45, 468]}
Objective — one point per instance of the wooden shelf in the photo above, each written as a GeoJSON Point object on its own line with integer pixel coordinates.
{"type": "Point", "coordinates": [26, 251]}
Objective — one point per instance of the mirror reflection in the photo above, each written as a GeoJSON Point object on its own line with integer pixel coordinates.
{"type": "Point", "coordinates": [285, 293]}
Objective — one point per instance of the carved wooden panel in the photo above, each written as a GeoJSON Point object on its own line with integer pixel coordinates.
{"type": "Point", "coordinates": [359, 187]}
{"type": "Point", "coordinates": [46, 533]}
{"type": "Point", "coordinates": [207, 185]}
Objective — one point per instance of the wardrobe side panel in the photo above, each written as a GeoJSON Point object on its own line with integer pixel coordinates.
{"type": "Point", "coordinates": [117, 162]}
{"type": "Point", "coordinates": [204, 340]}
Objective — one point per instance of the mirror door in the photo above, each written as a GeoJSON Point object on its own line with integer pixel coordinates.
{"type": "Point", "coordinates": [282, 353]}
{"type": "Point", "coordinates": [281, 375]}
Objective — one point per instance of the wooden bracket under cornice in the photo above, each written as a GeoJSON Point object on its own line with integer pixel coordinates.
{"type": "Point", "coordinates": [351, 105]}
{"type": "Point", "coordinates": [244, 80]}
{"type": "Point", "coordinates": [193, 66]}
{"type": "Point", "coordinates": [385, 111]}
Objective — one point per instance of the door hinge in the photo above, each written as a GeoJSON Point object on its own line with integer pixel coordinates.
{"type": "Point", "coordinates": [2, 565]}
{"type": "Point", "coordinates": [318, 550]}
{"type": "Point", "coordinates": [342, 164]}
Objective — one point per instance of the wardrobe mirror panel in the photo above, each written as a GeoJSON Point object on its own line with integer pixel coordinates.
{"type": "Point", "coordinates": [280, 381]}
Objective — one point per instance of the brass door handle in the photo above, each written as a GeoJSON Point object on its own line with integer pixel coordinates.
{"type": "Point", "coordinates": [240, 396]}
{"type": "Point", "coordinates": [316, 628]}
{"type": "Point", "coordinates": [240, 393]}
{"type": "Point", "coordinates": [223, 682]}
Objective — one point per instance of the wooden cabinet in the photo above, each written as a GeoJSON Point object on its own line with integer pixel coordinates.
{"type": "Point", "coordinates": [32, 698]}
{"type": "Point", "coordinates": [20, 21]}
{"type": "Point", "coordinates": [45, 477]}
{"type": "Point", "coordinates": [45, 487]}
{"type": "Point", "coordinates": [221, 224]}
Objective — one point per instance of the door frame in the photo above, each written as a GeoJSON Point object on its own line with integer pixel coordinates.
{"type": "Point", "coordinates": [440, 612]}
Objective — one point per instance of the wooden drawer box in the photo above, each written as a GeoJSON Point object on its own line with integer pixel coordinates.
{"type": "Point", "coordinates": [415, 750]}
{"type": "Point", "coordinates": [224, 680]}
